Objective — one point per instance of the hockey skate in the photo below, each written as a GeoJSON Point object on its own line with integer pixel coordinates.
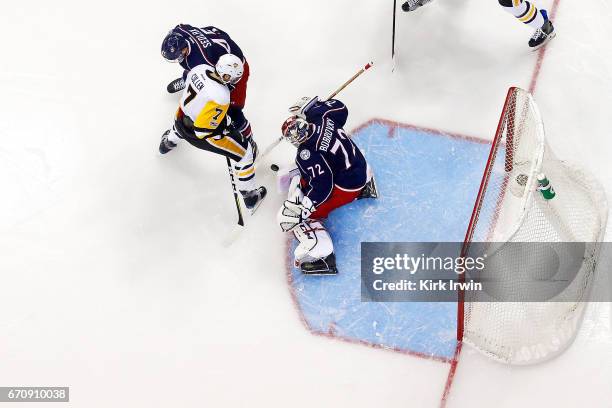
{"type": "Point", "coordinates": [369, 190]}
{"type": "Point", "coordinates": [321, 267]}
{"type": "Point", "coordinates": [176, 85]}
{"type": "Point", "coordinates": [544, 34]}
{"type": "Point", "coordinates": [411, 5]}
{"type": "Point", "coordinates": [252, 199]}
{"type": "Point", "coordinates": [166, 145]}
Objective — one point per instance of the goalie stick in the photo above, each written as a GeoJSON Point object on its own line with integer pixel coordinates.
{"type": "Point", "coordinates": [332, 95]}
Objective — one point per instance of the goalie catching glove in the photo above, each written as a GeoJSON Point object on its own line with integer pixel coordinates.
{"type": "Point", "coordinates": [302, 105]}
{"type": "Point", "coordinates": [294, 212]}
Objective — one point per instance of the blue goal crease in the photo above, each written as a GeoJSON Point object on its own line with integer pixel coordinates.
{"type": "Point", "coordinates": [427, 182]}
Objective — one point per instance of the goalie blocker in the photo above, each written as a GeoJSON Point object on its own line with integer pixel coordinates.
{"type": "Point", "coordinates": [330, 172]}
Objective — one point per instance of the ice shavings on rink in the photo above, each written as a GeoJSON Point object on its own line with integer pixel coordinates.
{"type": "Point", "coordinates": [428, 182]}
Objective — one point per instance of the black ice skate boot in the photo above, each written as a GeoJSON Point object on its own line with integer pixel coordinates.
{"type": "Point", "coordinates": [544, 34]}
{"type": "Point", "coordinates": [166, 145]}
{"type": "Point", "coordinates": [176, 85]}
{"type": "Point", "coordinates": [369, 190]}
{"type": "Point", "coordinates": [411, 5]}
{"type": "Point", "coordinates": [322, 266]}
{"type": "Point", "coordinates": [252, 199]}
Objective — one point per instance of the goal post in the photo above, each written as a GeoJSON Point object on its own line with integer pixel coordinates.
{"type": "Point", "coordinates": [527, 197]}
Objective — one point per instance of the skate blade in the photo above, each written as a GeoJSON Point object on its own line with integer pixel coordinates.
{"type": "Point", "coordinates": [321, 273]}
{"type": "Point", "coordinates": [252, 210]}
{"type": "Point", "coordinates": [545, 43]}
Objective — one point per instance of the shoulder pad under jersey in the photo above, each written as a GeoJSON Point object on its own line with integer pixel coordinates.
{"type": "Point", "coordinates": [201, 79]}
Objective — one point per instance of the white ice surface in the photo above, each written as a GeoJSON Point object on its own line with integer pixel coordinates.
{"type": "Point", "coordinates": [114, 281]}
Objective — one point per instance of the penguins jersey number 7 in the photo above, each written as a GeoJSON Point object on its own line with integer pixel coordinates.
{"type": "Point", "coordinates": [205, 100]}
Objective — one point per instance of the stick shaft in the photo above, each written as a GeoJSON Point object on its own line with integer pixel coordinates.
{"type": "Point", "coordinates": [236, 198]}
{"type": "Point", "coordinates": [333, 94]}
{"type": "Point", "coordinates": [393, 33]}
{"type": "Point", "coordinates": [347, 83]}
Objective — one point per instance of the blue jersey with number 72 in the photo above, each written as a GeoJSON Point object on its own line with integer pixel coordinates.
{"type": "Point", "coordinates": [329, 158]}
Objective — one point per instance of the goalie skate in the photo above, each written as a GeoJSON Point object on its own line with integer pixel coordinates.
{"type": "Point", "coordinates": [369, 190]}
{"type": "Point", "coordinates": [322, 267]}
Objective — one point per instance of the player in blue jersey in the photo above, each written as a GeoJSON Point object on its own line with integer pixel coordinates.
{"type": "Point", "coordinates": [331, 172]}
{"type": "Point", "coordinates": [192, 46]}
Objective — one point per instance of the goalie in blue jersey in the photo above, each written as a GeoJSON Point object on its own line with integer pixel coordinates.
{"type": "Point", "coordinates": [330, 172]}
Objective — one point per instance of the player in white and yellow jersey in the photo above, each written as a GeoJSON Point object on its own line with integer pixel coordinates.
{"type": "Point", "coordinates": [202, 121]}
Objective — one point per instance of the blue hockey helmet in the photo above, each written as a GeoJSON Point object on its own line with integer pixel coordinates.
{"type": "Point", "coordinates": [173, 46]}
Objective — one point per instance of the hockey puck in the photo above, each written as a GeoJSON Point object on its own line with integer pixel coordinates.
{"type": "Point", "coordinates": [274, 167]}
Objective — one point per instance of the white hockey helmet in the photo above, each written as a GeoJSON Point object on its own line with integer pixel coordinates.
{"type": "Point", "coordinates": [229, 68]}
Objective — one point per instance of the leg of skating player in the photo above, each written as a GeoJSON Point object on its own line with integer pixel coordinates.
{"type": "Point", "coordinates": [244, 169]}
{"type": "Point", "coordinates": [527, 13]}
{"type": "Point", "coordinates": [169, 141]}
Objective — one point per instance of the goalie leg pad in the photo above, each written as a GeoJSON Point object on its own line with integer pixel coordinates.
{"type": "Point", "coordinates": [314, 242]}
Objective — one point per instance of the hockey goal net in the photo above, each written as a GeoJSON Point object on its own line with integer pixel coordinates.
{"type": "Point", "coordinates": [510, 209]}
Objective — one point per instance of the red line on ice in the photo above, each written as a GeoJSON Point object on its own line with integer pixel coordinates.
{"type": "Point", "coordinates": [542, 52]}
{"type": "Point", "coordinates": [532, 87]}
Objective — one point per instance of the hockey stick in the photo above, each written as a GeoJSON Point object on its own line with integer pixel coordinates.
{"type": "Point", "coordinates": [333, 94]}
{"type": "Point", "coordinates": [393, 37]}
{"type": "Point", "coordinates": [236, 198]}
{"type": "Point", "coordinates": [347, 83]}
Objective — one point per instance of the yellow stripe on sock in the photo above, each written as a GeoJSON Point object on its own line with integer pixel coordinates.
{"type": "Point", "coordinates": [529, 15]}
{"type": "Point", "coordinates": [247, 172]}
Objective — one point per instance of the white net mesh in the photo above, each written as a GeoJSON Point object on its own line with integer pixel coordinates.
{"type": "Point", "coordinates": [510, 209]}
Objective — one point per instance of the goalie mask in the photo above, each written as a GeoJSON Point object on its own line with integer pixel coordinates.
{"type": "Point", "coordinates": [229, 68]}
{"type": "Point", "coordinates": [296, 130]}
